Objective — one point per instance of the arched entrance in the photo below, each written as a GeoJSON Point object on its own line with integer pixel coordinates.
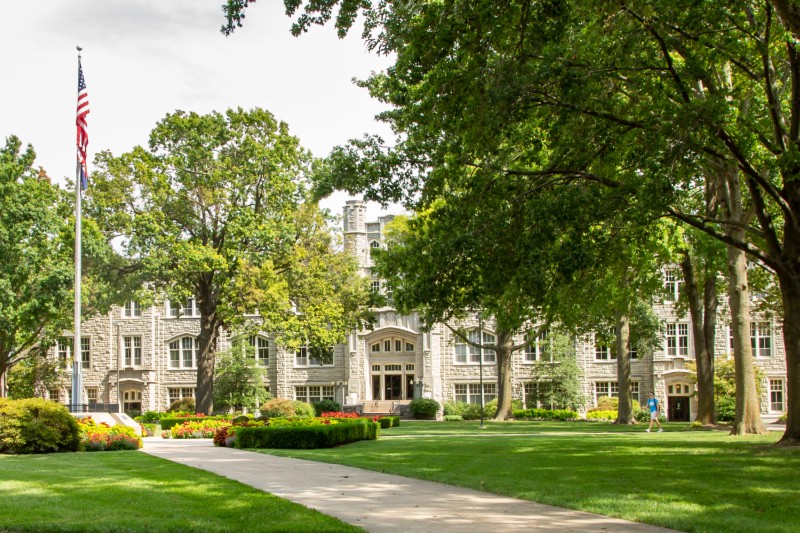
{"type": "Point", "coordinates": [679, 401]}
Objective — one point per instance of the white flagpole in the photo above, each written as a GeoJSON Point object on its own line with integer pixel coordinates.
{"type": "Point", "coordinates": [77, 379]}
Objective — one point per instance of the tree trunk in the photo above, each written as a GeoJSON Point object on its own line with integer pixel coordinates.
{"type": "Point", "coordinates": [622, 332]}
{"type": "Point", "coordinates": [748, 413]}
{"type": "Point", "coordinates": [207, 344]}
{"type": "Point", "coordinates": [790, 292]}
{"type": "Point", "coordinates": [703, 313]}
{"type": "Point", "coordinates": [3, 374]}
{"type": "Point", "coordinates": [504, 351]}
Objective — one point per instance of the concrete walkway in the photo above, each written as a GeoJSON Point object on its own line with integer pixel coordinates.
{"type": "Point", "coordinates": [383, 502]}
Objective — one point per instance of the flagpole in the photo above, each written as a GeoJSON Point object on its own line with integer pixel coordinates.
{"type": "Point", "coordinates": [77, 378]}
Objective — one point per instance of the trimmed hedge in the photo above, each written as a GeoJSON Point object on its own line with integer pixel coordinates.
{"type": "Point", "coordinates": [599, 414]}
{"type": "Point", "coordinates": [307, 437]}
{"type": "Point", "coordinates": [387, 422]}
{"type": "Point", "coordinates": [546, 414]}
{"type": "Point", "coordinates": [35, 425]}
{"type": "Point", "coordinates": [168, 422]}
{"type": "Point", "coordinates": [424, 408]}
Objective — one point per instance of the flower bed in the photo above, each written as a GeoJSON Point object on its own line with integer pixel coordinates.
{"type": "Point", "coordinates": [168, 422]}
{"type": "Point", "coordinates": [196, 429]}
{"type": "Point", "coordinates": [102, 437]}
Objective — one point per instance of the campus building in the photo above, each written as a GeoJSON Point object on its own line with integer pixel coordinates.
{"type": "Point", "coordinates": [146, 358]}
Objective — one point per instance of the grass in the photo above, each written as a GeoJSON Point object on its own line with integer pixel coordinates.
{"type": "Point", "coordinates": [134, 492]}
{"type": "Point", "coordinates": [686, 480]}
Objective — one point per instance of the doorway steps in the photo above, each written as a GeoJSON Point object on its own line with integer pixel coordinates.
{"type": "Point", "coordinates": [386, 408]}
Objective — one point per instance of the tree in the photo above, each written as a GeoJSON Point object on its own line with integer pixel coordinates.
{"type": "Point", "coordinates": [215, 209]}
{"type": "Point", "coordinates": [36, 271]}
{"type": "Point", "coordinates": [556, 374]}
{"type": "Point", "coordinates": [237, 380]}
{"type": "Point", "coordinates": [668, 92]}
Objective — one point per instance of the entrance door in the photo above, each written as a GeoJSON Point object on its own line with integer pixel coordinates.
{"type": "Point", "coordinates": [376, 387]}
{"type": "Point", "coordinates": [394, 387]}
{"type": "Point", "coordinates": [678, 408]}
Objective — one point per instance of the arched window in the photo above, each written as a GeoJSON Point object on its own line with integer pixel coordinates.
{"type": "Point", "coordinates": [184, 352]}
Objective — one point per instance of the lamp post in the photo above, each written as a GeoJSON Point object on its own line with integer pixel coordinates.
{"type": "Point", "coordinates": [480, 362]}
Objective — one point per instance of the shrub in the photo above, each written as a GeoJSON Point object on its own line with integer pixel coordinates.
{"type": "Point", "coordinates": [326, 406]}
{"type": "Point", "coordinates": [303, 409]}
{"type": "Point", "coordinates": [339, 414]}
{"type": "Point", "coordinates": [453, 418]}
{"type": "Point", "coordinates": [169, 422]}
{"type": "Point", "coordinates": [490, 408]}
{"type": "Point", "coordinates": [198, 429]}
{"type": "Point", "coordinates": [599, 414]}
{"type": "Point", "coordinates": [387, 422]}
{"type": "Point", "coordinates": [100, 437]}
{"type": "Point", "coordinates": [424, 408]}
{"type": "Point", "coordinates": [452, 408]}
{"type": "Point", "coordinates": [783, 418]}
{"type": "Point", "coordinates": [241, 420]}
{"type": "Point", "coordinates": [149, 417]}
{"type": "Point", "coordinates": [184, 404]}
{"type": "Point", "coordinates": [277, 407]}
{"type": "Point", "coordinates": [35, 425]}
{"type": "Point", "coordinates": [726, 408]}
{"type": "Point", "coordinates": [546, 414]}
{"type": "Point", "coordinates": [148, 430]}
{"type": "Point", "coordinates": [606, 403]}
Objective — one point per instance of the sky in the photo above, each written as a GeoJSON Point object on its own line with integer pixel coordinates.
{"type": "Point", "coordinates": [143, 59]}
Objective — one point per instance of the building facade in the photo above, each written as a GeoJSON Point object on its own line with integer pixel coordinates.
{"type": "Point", "coordinates": [147, 358]}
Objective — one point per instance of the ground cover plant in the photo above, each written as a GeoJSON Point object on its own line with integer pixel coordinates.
{"type": "Point", "coordinates": [134, 492]}
{"type": "Point", "coordinates": [689, 480]}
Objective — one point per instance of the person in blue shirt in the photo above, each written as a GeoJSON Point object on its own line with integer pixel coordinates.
{"type": "Point", "coordinates": [655, 412]}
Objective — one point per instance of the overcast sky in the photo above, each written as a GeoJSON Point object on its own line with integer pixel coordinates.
{"type": "Point", "coordinates": [143, 59]}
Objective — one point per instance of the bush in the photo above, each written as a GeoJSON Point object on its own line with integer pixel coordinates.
{"type": "Point", "coordinates": [726, 409]}
{"type": "Point", "coordinates": [307, 436]}
{"type": "Point", "coordinates": [277, 407]}
{"type": "Point", "coordinates": [606, 403]}
{"type": "Point", "coordinates": [643, 416]}
{"type": "Point", "coordinates": [599, 414]}
{"type": "Point", "coordinates": [453, 418]}
{"type": "Point", "coordinates": [546, 414]}
{"type": "Point", "coordinates": [339, 414]}
{"type": "Point", "coordinates": [326, 406]}
{"type": "Point", "coordinates": [303, 409]}
{"type": "Point", "coordinates": [168, 422]}
{"type": "Point", "coordinates": [149, 417]}
{"type": "Point", "coordinates": [148, 430]}
{"type": "Point", "coordinates": [102, 437]}
{"type": "Point", "coordinates": [471, 411]}
{"type": "Point", "coordinates": [490, 408]}
{"type": "Point", "coordinates": [782, 419]}
{"type": "Point", "coordinates": [424, 408]}
{"type": "Point", "coordinates": [387, 422]}
{"type": "Point", "coordinates": [184, 404]}
{"type": "Point", "coordinates": [453, 408]}
{"type": "Point", "coordinates": [35, 425]}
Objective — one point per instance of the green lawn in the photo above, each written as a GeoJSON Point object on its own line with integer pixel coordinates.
{"type": "Point", "coordinates": [685, 480]}
{"type": "Point", "coordinates": [132, 492]}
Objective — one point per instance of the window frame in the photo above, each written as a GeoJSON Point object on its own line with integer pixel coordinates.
{"type": "Point", "coordinates": [129, 352]}
{"type": "Point", "coordinates": [471, 353]}
{"type": "Point", "coordinates": [181, 351]}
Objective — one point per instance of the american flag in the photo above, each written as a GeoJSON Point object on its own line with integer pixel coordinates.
{"type": "Point", "coordinates": [80, 122]}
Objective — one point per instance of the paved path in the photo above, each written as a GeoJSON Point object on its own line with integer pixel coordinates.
{"type": "Point", "coordinates": [383, 502]}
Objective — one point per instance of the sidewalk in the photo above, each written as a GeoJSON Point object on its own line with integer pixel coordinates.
{"type": "Point", "coordinates": [382, 502]}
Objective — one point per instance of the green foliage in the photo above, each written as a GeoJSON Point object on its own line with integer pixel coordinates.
{"type": "Point", "coordinates": [387, 422]}
{"type": "Point", "coordinates": [601, 414]}
{"type": "Point", "coordinates": [36, 425]}
{"type": "Point", "coordinates": [31, 374]}
{"type": "Point", "coordinates": [424, 408]}
{"type": "Point", "coordinates": [453, 418]}
{"type": "Point", "coordinates": [183, 404]}
{"type": "Point", "coordinates": [557, 375]}
{"type": "Point", "coordinates": [277, 407]}
{"type": "Point", "coordinates": [546, 414]}
{"type": "Point", "coordinates": [150, 417]}
{"type": "Point", "coordinates": [303, 409]}
{"type": "Point", "coordinates": [168, 422]}
{"type": "Point", "coordinates": [308, 437]}
{"type": "Point", "coordinates": [101, 437]}
{"type": "Point", "coordinates": [215, 208]}
{"type": "Point", "coordinates": [491, 407]}
{"type": "Point", "coordinates": [237, 379]}
{"type": "Point", "coordinates": [606, 403]}
{"type": "Point", "coordinates": [326, 406]}
{"type": "Point", "coordinates": [725, 388]}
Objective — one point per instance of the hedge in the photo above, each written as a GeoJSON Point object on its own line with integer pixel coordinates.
{"type": "Point", "coordinates": [168, 422]}
{"type": "Point", "coordinates": [35, 425]}
{"type": "Point", "coordinates": [387, 422]}
{"type": "Point", "coordinates": [307, 437]}
{"type": "Point", "coordinates": [546, 414]}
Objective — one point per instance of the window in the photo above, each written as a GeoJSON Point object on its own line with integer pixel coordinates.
{"type": "Point", "coordinates": [761, 339]}
{"type": "Point", "coordinates": [679, 388]}
{"type": "Point", "coordinates": [132, 351]}
{"type": "Point", "coordinates": [604, 353]}
{"type": "Point", "coordinates": [409, 367]}
{"type": "Point", "coordinates": [375, 287]}
{"type": "Point", "coordinates": [312, 394]}
{"type": "Point", "coordinates": [635, 391]}
{"type": "Point", "coordinates": [131, 400]}
{"type": "Point", "coordinates": [534, 351]}
{"type": "Point", "coordinates": [393, 368]}
{"type": "Point", "coordinates": [54, 395]}
{"type": "Point", "coordinates": [91, 396]}
{"type": "Point", "coordinates": [677, 340]}
{"type": "Point", "coordinates": [393, 345]}
{"type": "Point", "coordinates": [672, 284]}
{"type": "Point", "coordinates": [776, 395]}
{"type": "Point", "coordinates": [605, 388]}
{"type": "Point", "coordinates": [471, 392]}
{"type": "Point", "coordinates": [313, 356]}
{"type": "Point", "coordinates": [373, 245]}
{"type": "Point", "coordinates": [187, 308]}
{"type": "Point", "coordinates": [131, 310]}
{"type": "Point", "coordinates": [409, 346]}
{"type": "Point", "coordinates": [180, 393]}
{"type": "Point", "coordinates": [184, 352]}
{"type": "Point", "coordinates": [376, 347]}
{"type": "Point", "coordinates": [469, 353]}
{"type": "Point", "coordinates": [64, 350]}
{"type": "Point", "coordinates": [261, 349]}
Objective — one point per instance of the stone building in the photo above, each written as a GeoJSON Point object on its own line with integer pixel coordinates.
{"type": "Point", "coordinates": [147, 357]}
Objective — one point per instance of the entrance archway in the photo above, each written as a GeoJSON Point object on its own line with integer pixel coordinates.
{"type": "Point", "coordinates": [679, 402]}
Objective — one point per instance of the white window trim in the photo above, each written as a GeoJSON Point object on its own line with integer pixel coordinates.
{"type": "Point", "coordinates": [470, 350]}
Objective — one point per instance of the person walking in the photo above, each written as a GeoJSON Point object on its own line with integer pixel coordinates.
{"type": "Point", "coordinates": [655, 412]}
